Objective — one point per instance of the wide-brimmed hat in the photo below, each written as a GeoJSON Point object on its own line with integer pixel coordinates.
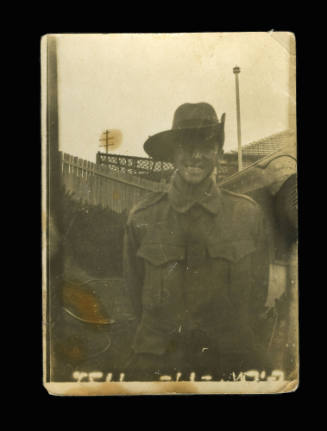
{"type": "Point", "coordinates": [193, 122]}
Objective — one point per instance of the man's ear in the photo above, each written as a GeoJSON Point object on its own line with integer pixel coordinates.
{"type": "Point", "coordinates": [222, 120]}
{"type": "Point", "coordinates": [222, 135]}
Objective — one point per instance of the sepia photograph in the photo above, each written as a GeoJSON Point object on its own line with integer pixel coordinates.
{"type": "Point", "coordinates": [169, 213]}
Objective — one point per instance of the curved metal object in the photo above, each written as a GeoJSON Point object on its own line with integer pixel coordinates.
{"type": "Point", "coordinates": [286, 208]}
{"type": "Point", "coordinates": [78, 341]}
{"type": "Point", "coordinates": [83, 304]}
{"type": "Point", "coordinates": [102, 322]}
{"type": "Point", "coordinates": [272, 181]}
{"type": "Point", "coordinates": [268, 173]}
{"type": "Point", "coordinates": [97, 301]}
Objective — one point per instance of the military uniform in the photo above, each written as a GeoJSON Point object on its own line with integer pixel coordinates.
{"type": "Point", "coordinates": [197, 272]}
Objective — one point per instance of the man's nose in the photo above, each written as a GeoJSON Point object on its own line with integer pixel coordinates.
{"type": "Point", "coordinates": [196, 154]}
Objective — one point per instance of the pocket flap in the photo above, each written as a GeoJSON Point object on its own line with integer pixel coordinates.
{"type": "Point", "coordinates": [232, 250]}
{"type": "Point", "coordinates": [159, 254]}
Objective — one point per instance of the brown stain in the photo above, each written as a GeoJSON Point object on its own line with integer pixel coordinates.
{"type": "Point", "coordinates": [83, 304]}
{"type": "Point", "coordinates": [72, 349]}
{"type": "Point", "coordinates": [169, 388]}
{"type": "Point", "coordinates": [291, 386]}
{"type": "Point", "coordinates": [178, 388]}
{"type": "Point", "coordinates": [145, 388]}
{"type": "Point", "coordinates": [99, 390]}
{"type": "Point", "coordinates": [115, 139]}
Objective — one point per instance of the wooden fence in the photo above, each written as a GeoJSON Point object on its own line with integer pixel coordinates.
{"type": "Point", "coordinates": [96, 185]}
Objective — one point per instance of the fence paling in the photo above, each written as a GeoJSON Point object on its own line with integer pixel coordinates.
{"type": "Point", "coordinates": [101, 186]}
{"type": "Point", "coordinates": [122, 177]}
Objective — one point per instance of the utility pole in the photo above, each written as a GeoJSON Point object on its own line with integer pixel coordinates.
{"type": "Point", "coordinates": [105, 139]}
{"type": "Point", "coordinates": [236, 71]}
{"type": "Point", "coordinates": [107, 143]}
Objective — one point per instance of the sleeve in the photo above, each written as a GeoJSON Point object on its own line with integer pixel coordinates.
{"type": "Point", "coordinates": [259, 269]}
{"type": "Point", "coordinates": [133, 268]}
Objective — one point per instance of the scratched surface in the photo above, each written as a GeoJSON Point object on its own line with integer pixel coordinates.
{"type": "Point", "coordinates": [92, 326]}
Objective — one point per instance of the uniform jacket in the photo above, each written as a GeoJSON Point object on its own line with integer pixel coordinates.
{"type": "Point", "coordinates": [196, 262]}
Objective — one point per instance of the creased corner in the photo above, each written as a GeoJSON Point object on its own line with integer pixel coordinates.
{"type": "Point", "coordinates": [291, 386]}
{"type": "Point", "coordinates": [285, 39]}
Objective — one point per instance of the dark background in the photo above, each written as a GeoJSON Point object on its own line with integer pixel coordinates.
{"type": "Point", "coordinates": [31, 205]}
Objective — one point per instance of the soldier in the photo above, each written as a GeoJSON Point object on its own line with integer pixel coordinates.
{"type": "Point", "coordinates": [195, 261]}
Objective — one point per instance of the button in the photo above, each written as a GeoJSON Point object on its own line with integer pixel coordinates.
{"type": "Point", "coordinates": [195, 255]}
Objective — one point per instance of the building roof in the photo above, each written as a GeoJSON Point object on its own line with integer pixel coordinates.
{"type": "Point", "coordinates": [268, 145]}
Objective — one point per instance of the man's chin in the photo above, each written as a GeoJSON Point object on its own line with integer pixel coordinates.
{"type": "Point", "coordinates": [193, 176]}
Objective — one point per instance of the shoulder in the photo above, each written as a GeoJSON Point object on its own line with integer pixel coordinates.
{"type": "Point", "coordinates": [147, 203]}
{"type": "Point", "coordinates": [244, 214]}
{"type": "Point", "coordinates": [243, 202]}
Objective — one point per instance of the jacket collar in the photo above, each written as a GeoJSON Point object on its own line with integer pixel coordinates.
{"type": "Point", "coordinates": [182, 196]}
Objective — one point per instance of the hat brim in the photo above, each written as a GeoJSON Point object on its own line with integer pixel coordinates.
{"type": "Point", "coordinates": [161, 145]}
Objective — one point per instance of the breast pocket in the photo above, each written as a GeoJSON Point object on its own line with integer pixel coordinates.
{"type": "Point", "coordinates": [233, 267]}
{"type": "Point", "coordinates": [231, 251]}
{"type": "Point", "coordinates": [164, 265]}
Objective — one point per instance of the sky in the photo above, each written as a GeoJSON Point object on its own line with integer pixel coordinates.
{"type": "Point", "coordinates": [135, 82]}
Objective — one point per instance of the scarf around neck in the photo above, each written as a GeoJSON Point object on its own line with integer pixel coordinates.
{"type": "Point", "coordinates": [183, 196]}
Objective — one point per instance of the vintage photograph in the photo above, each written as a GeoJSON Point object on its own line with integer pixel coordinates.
{"type": "Point", "coordinates": [169, 213]}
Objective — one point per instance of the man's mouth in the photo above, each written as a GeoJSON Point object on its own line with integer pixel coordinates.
{"type": "Point", "coordinates": [194, 169]}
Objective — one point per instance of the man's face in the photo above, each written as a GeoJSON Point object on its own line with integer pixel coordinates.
{"type": "Point", "coordinates": [195, 161]}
